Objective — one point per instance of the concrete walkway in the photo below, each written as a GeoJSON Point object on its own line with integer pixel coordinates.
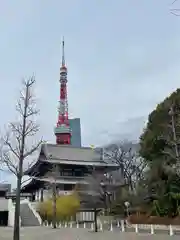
{"type": "Point", "coordinates": [47, 233]}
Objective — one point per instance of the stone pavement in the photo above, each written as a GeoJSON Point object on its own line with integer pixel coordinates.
{"type": "Point", "coordinates": [47, 233]}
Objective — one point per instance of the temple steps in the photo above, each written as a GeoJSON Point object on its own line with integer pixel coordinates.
{"type": "Point", "coordinates": [27, 216]}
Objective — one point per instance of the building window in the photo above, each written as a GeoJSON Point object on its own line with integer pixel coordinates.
{"type": "Point", "coordinates": [67, 172]}
{"type": "Point", "coordinates": [78, 173]}
{"type": "Point", "coordinates": [2, 193]}
{"type": "Point", "coordinates": [68, 187]}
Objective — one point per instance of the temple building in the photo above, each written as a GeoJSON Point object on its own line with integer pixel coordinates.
{"type": "Point", "coordinates": [4, 211]}
{"type": "Point", "coordinates": [67, 166]}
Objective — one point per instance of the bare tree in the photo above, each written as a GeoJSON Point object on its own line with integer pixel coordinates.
{"type": "Point", "coordinates": [131, 166]}
{"type": "Point", "coordinates": [51, 184]}
{"type": "Point", "coordinates": [91, 192]}
{"type": "Point", "coordinates": [54, 173]}
{"type": "Point", "coordinates": [54, 195]}
{"type": "Point", "coordinates": [17, 145]}
{"type": "Point", "coordinates": [175, 11]}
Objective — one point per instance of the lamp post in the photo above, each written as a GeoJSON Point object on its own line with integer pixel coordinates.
{"type": "Point", "coordinates": [127, 204]}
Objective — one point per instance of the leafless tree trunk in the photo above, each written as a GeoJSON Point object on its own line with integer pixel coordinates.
{"type": "Point", "coordinates": [54, 194]}
{"type": "Point", "coordinates": [172, 139]}
{"type": "Point", "coordinates": [52, 185]}
{"type": "Point", "coordinates": [173, 128]}
{"type": "Point", "coordinates": [54, 205]}
{"type": "Point", "coordinates": [92, 192]}
{"type": "Point", "coordinates": [16, 147]}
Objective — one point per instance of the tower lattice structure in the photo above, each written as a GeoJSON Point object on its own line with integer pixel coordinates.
{"type": "Point", "coordinates": [62, 129]}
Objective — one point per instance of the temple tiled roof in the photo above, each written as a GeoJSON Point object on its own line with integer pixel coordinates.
{"type": "Point", "coordinates": [74, 154]}
{"type": "Point", "coordinates": [52, 153]}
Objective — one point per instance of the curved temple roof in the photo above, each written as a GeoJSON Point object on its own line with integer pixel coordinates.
{"type": "Point", "coordinates": [59, 154]}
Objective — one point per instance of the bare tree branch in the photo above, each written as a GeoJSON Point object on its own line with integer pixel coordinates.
{"type": "Point", "coordinates": [131, 165]}
{"type": "Point", "coordinates": [175, 11]}
{"type": "Point", "coordinates": [174, 1]}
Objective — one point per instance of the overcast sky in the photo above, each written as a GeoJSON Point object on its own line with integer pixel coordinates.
{"type": "Point", "coordinates": [123, 57]}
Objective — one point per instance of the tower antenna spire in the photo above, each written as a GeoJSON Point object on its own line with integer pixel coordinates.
{"type": "Point", "coordinates": [63, 53]}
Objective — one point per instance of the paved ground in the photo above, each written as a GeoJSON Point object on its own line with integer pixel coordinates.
{"type": "Point", "coordinates": [46, 233]}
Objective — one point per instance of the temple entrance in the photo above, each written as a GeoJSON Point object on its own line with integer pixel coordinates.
{"type": "Point", "coordinates": [3, 218]}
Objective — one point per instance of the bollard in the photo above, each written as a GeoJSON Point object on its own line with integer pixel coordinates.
{"type": "Point", "coordinates": [92, 226]}
{"type": "Point", "coordinates": [111, 227]}
{"type": "Point", "coordinates": [101, 227]}
{"type": "Point", "coordinates": [136, 228]}
{"type": "Point", "coordinates": [118, 225]}
{"type": "Point", "coordinates": [65, 225]}
{"type": "Point", "coordinates": [171, 230]}
{"type": "Point", "coordinates": [152, 229]}
{"type": "Point", "coordinates": [71, 225]}
{"type": "Point", "coordinates": [84, 224]}
{"type": "Point", "coordinates": [122, 226]}
{"type": "Point", "coordinates": [77, 225]}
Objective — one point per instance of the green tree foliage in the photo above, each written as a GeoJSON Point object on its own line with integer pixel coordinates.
{"type": "Point", "coordinates": [158, 145]}
{"type": "Point", "coordinates": [66, 207]}
{"type": "Point", "coordinates": [158, 134]}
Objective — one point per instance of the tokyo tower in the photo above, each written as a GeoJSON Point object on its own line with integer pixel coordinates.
{"type": "Point", "coordinates": [62, 130]}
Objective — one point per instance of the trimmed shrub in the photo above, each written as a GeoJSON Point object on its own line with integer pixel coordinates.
{"type": "Point", "coordinates": [66, 207]}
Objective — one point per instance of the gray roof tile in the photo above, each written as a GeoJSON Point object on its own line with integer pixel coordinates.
{"type": "Point", "coordinates": [60, 154]}
{"type": "Point", "coordinates": [70, 153]}
{"type": "Point", "coordinates": [83, 154]}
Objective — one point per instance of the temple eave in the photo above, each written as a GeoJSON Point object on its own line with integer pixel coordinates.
{"type": "Point", "coordinates": [83, 163]}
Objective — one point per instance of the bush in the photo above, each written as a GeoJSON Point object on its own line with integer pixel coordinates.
{"type": "Point", "coordinates": [66, 207]}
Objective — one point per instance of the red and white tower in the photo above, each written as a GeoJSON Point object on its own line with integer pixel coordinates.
{"type": "Point", "coordinates": [62, 129]}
